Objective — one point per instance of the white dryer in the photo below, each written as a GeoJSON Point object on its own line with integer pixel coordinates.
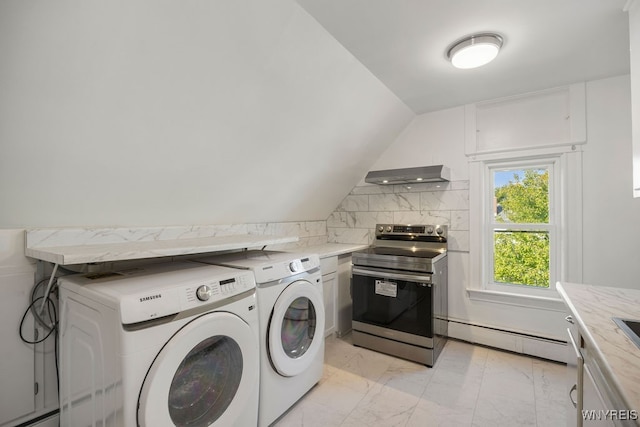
{"type": "Point", "coordinates": [163, 345]}
{"type": "Point", "coordinates": [291, 310]}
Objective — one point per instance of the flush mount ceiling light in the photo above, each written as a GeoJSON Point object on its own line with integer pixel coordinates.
{"type": "Point", "coordinates": [474, 51]}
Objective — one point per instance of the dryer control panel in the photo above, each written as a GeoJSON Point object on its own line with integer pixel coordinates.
{"type": "Point", "coordinates": [161, 302]}
{"type": "Point", "coordinates": [287, 268]}
{"type": "Point", "coordinates": [268, 266]}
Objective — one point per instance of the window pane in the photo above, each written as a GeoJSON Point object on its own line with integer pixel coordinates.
{"type": "Point", "coordinates": [521, 196]}
{"type": "Point", "coordinates": [521, 257]}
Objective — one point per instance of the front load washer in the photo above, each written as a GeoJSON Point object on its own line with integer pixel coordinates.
{"type": "Point", "coordinates": [162, 345]}
{"type": "Point", "coordinates": [291, 310]}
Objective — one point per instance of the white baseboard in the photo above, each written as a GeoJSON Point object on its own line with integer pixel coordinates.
{"type": "Point", "coordinates": [511, 341]}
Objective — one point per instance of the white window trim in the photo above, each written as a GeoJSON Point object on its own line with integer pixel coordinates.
{"type": "Point", "coordinates": [568, 218]}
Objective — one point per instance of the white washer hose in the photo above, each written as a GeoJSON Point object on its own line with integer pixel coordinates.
{"type": "Point", "coordinates": [46, 293]}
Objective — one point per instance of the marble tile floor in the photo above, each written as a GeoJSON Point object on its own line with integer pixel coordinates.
{"type": "Point", "coordinates": [470, 385]}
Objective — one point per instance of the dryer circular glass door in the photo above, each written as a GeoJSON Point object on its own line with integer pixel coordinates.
{"type": "Point", "coordinates": [296, 328]}
{"type": "Point", "coordinates": [204, 375]}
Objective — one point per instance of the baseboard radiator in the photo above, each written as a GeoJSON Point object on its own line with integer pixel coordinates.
{"type": "Point", "coordinates": [516, 342]}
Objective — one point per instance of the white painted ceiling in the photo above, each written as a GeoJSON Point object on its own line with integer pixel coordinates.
{"type": "Point", "coordinates": [547, 43]}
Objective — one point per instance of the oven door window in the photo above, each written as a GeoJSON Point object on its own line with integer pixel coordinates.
{"type": "Point", "coordinates": [401, 305]}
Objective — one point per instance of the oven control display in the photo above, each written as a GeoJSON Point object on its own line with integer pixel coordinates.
{"type": "Point", "coordinates": [408, 229]}
{"type": "Point", "coordinates": [388, 289]}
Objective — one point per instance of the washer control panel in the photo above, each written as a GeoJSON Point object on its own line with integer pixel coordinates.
{"type": "Point", "coordinates": [203, 292]}
{"type": "Point", "coordinates": [214, 291]}
{"type": "Point", "coordinates": [171, 300]}
{"type": "Point", "coordinates": [296, 266]}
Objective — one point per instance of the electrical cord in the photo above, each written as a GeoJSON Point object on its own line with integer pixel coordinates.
{"type": "Point", "coordinates": [50, 323]}
{"type": "Point", "coordinates": [51, 311]}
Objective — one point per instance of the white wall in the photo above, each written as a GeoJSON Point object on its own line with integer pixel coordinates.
{"type": "Point", "coordinates": [161, 112]}
{"type": "Point", "coordinates": [611, 223]}
{"type": "Point", "coordinates": [430, 139]}
{"type": "Point", "coordinates": [611, 216]}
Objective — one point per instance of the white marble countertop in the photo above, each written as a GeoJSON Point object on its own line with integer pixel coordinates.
{"type": "Point", "coordinates": [592, 308]}
{"type": "Point", "coordinates": [327, 250]}
{"type": "Point", "coordinates": [103, 252]}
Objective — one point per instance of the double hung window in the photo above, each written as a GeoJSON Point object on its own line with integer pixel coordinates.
{"type": "Point", "coordinates": [521, 225]}
{"type": "Point", "coordinates": [525, 225]}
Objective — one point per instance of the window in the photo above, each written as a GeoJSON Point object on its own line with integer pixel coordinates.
{"type": "Point", "coordinates": [525, 225]}
{"type": "Point", "coordinates": [526, 236]}
{"type": "Point", "coordinates": [521, 225]}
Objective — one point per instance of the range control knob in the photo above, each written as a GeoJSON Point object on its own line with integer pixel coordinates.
{"type": "Point", "coordinates": [439, 231]}
{"type": "Point", "coordinates": [429, 230]}
{"type": "Point", "coordinates": [389, 229]}
{"type": "Point", "coordinates": [203, 292]}
{"type": "Point", "coordinates": [381, 229]}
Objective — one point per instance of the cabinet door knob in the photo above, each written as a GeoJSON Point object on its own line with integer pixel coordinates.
{"type": "Point", "coordinates": [569, 319]}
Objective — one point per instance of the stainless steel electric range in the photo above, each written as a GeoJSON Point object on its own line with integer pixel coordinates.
{"type": "Point", "coordinates": [399, 292]}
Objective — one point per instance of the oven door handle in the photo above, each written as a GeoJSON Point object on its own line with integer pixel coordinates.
{"type": "Point", "coordinates": [387, 275]}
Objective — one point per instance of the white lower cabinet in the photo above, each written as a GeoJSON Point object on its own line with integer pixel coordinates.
{"type": "Point", "coordinates": [329, 268]}
{"type": "Point", "coordinates": [590, 400]}
{"type": "Point", "coordinates": [336, 279]}
{"type": "Point", "coordinates": [329, 293]}
{"type": "Point", "coordinates": [343, 294]}
{"type": "Point", "coordinates": [594, 408]}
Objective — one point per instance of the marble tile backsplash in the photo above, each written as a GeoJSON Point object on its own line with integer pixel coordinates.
{"type": "Point", "coordinates": [355, 218]}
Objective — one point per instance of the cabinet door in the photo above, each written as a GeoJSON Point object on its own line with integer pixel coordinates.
{"type": "Point", "coordinates": [594, 407]}
{"type": "Point", "coordinates": [575, 364]}
{"type": "Point", "coordinates": [329, 295]}
{"type": "Point", "coordinates": [343, 296]}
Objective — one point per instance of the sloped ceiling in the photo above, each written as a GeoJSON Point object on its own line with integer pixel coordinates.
{"type": "Point", "coordinates": [547, 43]}
{"type": "Point", "coordinates": [162, 112]}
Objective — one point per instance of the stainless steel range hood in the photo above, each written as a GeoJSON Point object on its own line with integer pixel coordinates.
{"type": "Point", "coordinates": [409, 175]}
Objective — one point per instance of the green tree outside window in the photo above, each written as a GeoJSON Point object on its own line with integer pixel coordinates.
{"type": "Point", "coordinates": [521, 255]}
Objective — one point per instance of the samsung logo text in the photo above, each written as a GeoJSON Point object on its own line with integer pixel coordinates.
{"type": "Point", "coordinates": [150, 297]}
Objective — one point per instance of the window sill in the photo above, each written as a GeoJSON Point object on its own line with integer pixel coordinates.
{"type": "Point", "coordinates": [528, 301]}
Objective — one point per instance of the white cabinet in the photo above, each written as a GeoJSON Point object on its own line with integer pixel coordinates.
{"type": "Point", "coordinates": [593, 401]}
{"type": "Point", "coordinates": [549, 118]}
{"type": "Point", "coordinates": [343, 290]}
{"type": "Point", "coordinates": [336, 279]}
{"type": "Point", "coordinates": [575, 376]}
{"type": "Point", "coordinates": [590, 399]}
{"type": "Point", "coordinates": [329, 290]}
{"type": "Point", "coordinates": [329, 268]}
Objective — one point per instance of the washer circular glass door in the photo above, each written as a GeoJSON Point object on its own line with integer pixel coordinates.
{"type": "Point", "coordinates": [205, 374]}
{"type": "Point", "coordinates": [296, 328]}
